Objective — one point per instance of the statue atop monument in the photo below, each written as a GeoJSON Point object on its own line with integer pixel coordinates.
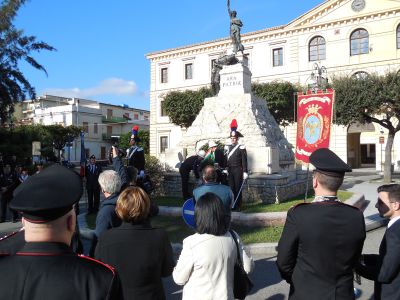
{"type": "Point", "coordinates": [235, 25]}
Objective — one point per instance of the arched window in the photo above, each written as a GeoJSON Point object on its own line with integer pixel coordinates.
{"type": "Point", "coordinates": [359, 42]}
{"type": "Point", "coordinates": [360, 75]}
{"type": "Point", "coordinates": [398, 37]}
{"type": "Point", "coordinates": [317, 49]}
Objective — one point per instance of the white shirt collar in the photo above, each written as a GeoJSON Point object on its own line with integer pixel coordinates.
{"type": "Point", "coordinates": [392, 221]}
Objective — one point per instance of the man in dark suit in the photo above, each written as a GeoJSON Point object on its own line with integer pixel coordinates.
{"type": "Point", "coordinates": [192, 163]}
{"type": "Point", "coordinates": [384, 268]}
{"type": "Point", "coordinates": [322, 241]}
{"type": "Point", "coordinates": [92, 173]}
{"type": "Point", "coordinates": [135, 153]}
{"type": "Point", "coordinates": [46, 267]}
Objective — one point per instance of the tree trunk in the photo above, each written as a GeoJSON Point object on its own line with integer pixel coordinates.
{"type": "Point", "coordinates": [387, 170]}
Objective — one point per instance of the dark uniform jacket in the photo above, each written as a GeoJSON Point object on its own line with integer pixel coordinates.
{"type": "Point", "coordinates": [44, 270]}
{"type": "Point", "coordinates": [192, 163]}
{"type": "Point", "coordinates": [9, 182]}
{"type": "Point", "coordinates": [318, 250]}
{"type": "Point", "coordinates": [92, 178]}
{"type": "Point", "coordinates": [136, 157]}
{"type": "Point", "coordinates": [384, 268]}
{"type": "Point", "coordinates": [142, 255]}
{"type": "Point", "coordinates": [236, 157]}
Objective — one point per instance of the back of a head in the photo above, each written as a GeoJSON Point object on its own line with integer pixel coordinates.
{"type": "Point", "coordinates": [209, 174]}
{"type": "Point", "coordinates": [330, 183]}
{"type": "Point", "coordinates": [110, 182]}
{"type": "Point", "coordinates": [210, 215]}
{"type": "Point", "coordinates": [133, 205]}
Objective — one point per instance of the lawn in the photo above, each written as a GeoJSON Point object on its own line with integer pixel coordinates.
{"type": "Point", "coordinates": [257, 206]}
{"type": "Point", "coordinates": [177, 230]}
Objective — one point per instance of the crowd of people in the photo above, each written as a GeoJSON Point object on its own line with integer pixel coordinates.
{"type": "Point", "coordinates": [12, 174]}
{"type": "Point", "coordinates": [229, 163]}
{"type": "Point", "coordinates": [319, 251]}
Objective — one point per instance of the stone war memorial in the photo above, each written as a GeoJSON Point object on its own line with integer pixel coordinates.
{"type": "Point", "coordinates": [273, 175]}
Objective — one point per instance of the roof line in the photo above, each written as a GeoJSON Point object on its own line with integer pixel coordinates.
{"type": "Point", "coordinates": [213, 41]}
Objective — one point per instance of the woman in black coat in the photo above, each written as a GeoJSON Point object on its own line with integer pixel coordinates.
{"type": "Point", "coordinates": [141, 254]}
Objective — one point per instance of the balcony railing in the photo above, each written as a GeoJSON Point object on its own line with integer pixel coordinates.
{"type": "Point", "coordinates": [106, 137]}
{"type": "Point", "coordinates": [107, 119]}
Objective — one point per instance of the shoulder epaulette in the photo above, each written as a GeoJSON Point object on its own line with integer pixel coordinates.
{"type": "Point", "coordinates": [352, 206]}
{"type": "Point", "coordinates": [242, 147]}
{"type": "Point", "coordinates": [139, 149]}
{"type": "Point", "coordinates": [97, 261]}
{"type": "Point", "coordinates": [299, 204]}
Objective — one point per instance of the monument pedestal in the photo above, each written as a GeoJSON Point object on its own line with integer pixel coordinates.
{"type": "Point", "coordinates": [268, 150]}
{"type": "Point", "coordinates": [273, 177]}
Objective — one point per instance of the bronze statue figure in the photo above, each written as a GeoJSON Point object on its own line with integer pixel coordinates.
{"type": "Point", "coordinates": [235, 26]}
{"type": "Point", "coordinates": [222, 60]}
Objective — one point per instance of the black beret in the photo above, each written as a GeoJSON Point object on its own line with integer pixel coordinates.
{"type": "Point", "coordinates": [327, 162]}
{"type": "Point", "coordinates": [48, 195]}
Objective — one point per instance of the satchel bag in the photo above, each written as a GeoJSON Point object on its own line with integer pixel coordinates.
{"type": "Point", "coordinates": [242, 284]}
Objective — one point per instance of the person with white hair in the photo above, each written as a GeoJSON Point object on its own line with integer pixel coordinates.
{"type": "Point", "coordinates": [192, 163]}
{"type": "Point", "coordinates": [107, 218]}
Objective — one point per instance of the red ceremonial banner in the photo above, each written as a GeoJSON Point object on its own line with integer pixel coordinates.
{"type": "Point", "coordinates": [314, 118]}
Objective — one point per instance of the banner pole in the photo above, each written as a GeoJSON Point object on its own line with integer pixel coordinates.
{"type": "Point", "coordinates": [306, 194]}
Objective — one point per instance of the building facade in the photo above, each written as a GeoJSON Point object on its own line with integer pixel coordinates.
{"type": "Point", "coordinates": [99, 121]}
{"type": "Point", "coordinates": [347, 37]}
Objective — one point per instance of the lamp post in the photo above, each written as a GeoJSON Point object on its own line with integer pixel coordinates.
{"type": "Point", "coordinates": [381, 141]}
{"type": "Point", "coordinates": [318, 77]}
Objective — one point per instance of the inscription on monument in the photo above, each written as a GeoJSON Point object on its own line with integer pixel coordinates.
{"type": "Point", "coordinates": [231, 81]}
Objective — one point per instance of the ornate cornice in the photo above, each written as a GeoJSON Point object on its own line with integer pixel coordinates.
{"type": "Point", "coordinates": [282, 31]}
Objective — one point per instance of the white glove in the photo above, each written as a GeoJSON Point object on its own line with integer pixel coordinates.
{"type": "Point", "coordinates": [245, 175]}
{"type": "Point", "coordinates": [141, 174]}
{"type": "Point", "coordinates": [225, 172]}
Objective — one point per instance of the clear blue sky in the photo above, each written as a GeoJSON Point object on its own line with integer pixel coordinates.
{"type": "Point", "coordinates": [101, 44]}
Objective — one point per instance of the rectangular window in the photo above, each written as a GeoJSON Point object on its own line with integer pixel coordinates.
{"type": "Point", "coordinates": [103, 153]}
{"type": "Point", "coordinates": [163, 143]}
{"type": "Point", "coordinates": [146, 117]}
{"type": "Point", "coordinates": [164, 75]}
{"type": "Point", "coordinates": [95, 128]}
{"type": "Point", "coordinates": [109, 131]}
{"type": "Point", "coordinates": [109, 113]}
{"type": "Point", "coordinates": [188, 71]}
{"type": "Point", "coordinates": [136, 116]}
{"type": "Point", "coordinates": [278, 57]}
{"type": "Point", "coordinates": [163, 110]}
{"type": "Point", "coordinates": [85, 127]}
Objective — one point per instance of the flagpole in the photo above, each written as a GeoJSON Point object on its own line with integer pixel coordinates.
{"type": "Point", "coordinates": [306, 194]}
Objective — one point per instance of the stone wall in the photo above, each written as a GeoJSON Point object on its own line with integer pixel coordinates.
{"type": "Point", "coordinates": [265, 188]}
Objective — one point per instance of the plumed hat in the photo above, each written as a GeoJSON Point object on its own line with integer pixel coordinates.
{"type": "Point", "coordinates": [134, 133]}
{"type": "Point", "coordinates": [234, 131]}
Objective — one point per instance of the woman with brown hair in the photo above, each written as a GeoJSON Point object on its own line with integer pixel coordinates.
{"type": "Point", "coordinates": [141, 254]}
